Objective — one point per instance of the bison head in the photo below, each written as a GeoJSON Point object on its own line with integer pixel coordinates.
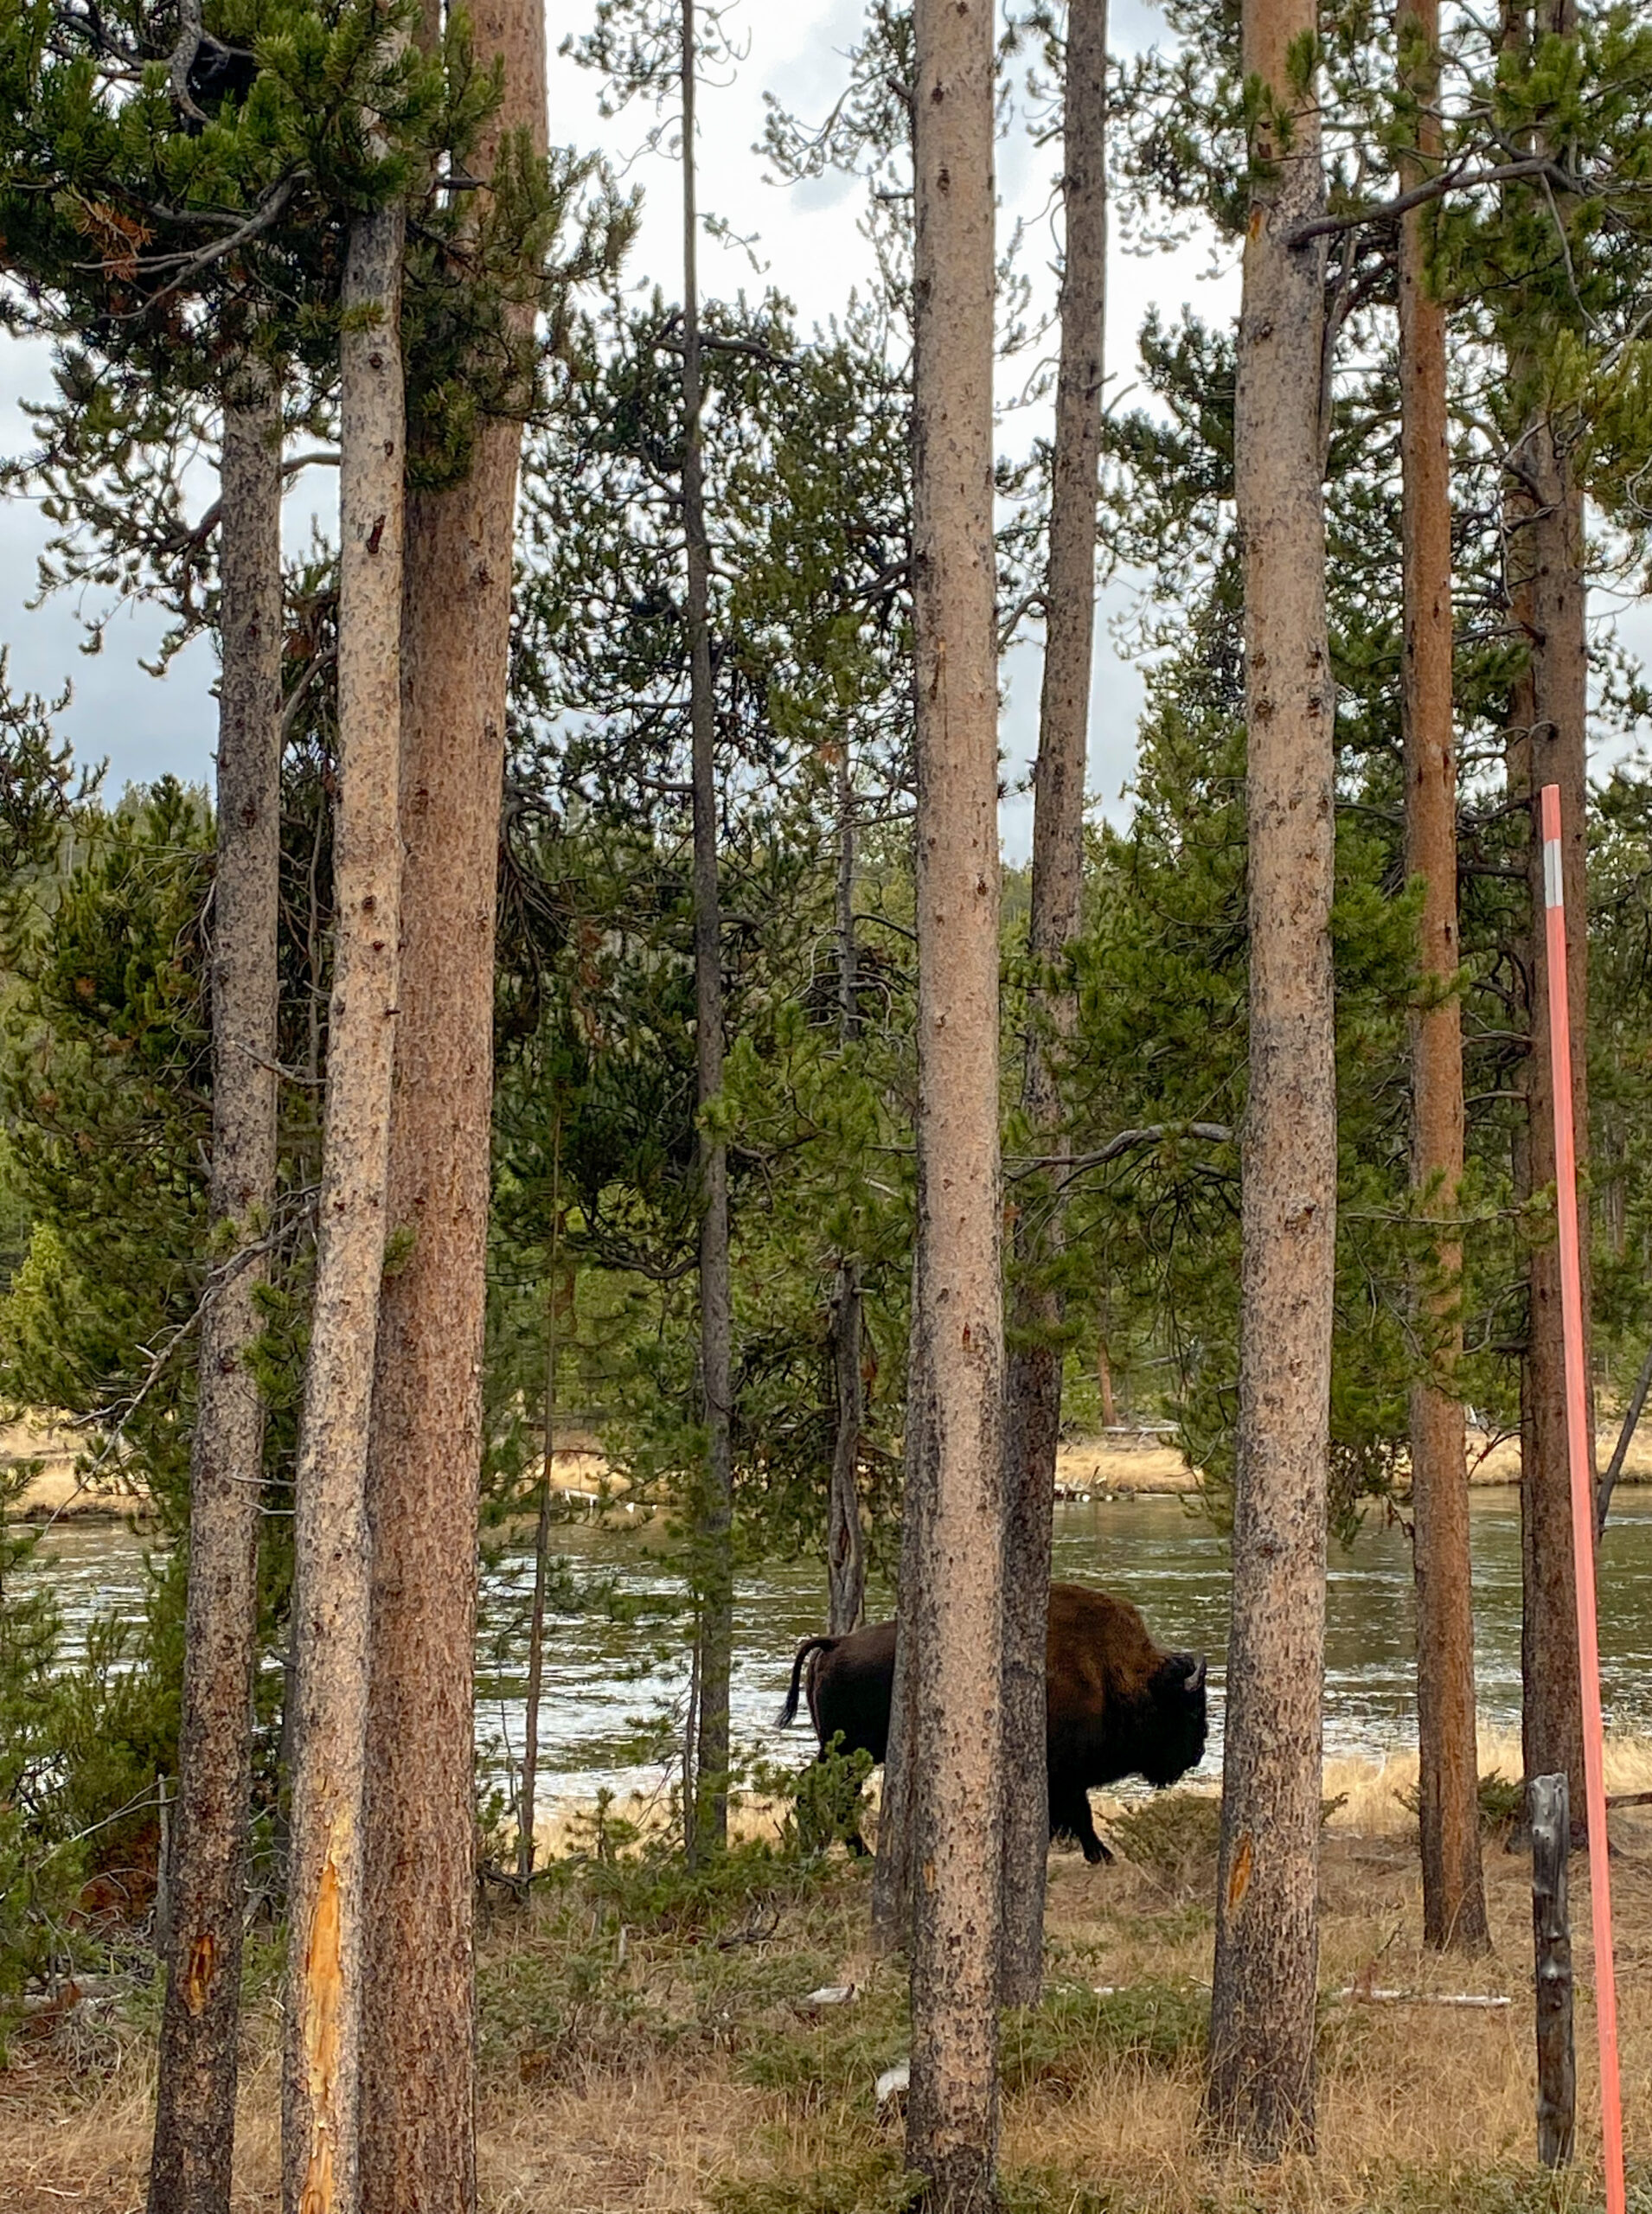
{"type": "Point", "coordinates": [1173, 1731]}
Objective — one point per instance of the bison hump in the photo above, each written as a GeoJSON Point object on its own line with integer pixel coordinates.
{"type": "Point", "coordinates": [1098, 1645]}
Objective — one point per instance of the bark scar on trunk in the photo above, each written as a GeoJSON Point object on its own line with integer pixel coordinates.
{"type": "Point", "coordinates": [197, 1985]}
{"type": "Point", "coordinates": [324, 1988]}
{"type": "Point", "coordinates": [1239, 1881]}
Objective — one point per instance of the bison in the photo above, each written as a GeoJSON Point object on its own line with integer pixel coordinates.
{"type": "Point", "coordinates": [1117, 1705]}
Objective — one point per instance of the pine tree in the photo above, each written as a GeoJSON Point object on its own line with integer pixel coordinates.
{"type": "Point", "coordinates": [845, 1543]}
{"type": "Point", "coordinates": [1032, 1385]}
{"type": "Point", "coordinates": [1454, 1906]}
{"type": "Point", "coordinates": [952, 1581]}
{"type": "Point", "coordinates": [321, 2088]}
{"type": "Point", "coordinates": [658, 47]}
{"type": "Point", "coordinates": [173, 363]}
{"type": "Point", "coordinates": [1260, 2087]}
{"type": "Point", "coordinates": [425, 1460]}
{"type": "Point", "coordinates": [200, 2031]}
{"type": "Point", "coordinates": [1547, 716]}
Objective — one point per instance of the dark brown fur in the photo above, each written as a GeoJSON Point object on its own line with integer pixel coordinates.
{"type": "Point", "coordinates": [1116, 1704]}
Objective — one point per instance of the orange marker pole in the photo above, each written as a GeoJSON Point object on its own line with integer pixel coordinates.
{"type": "Point", "coordinates": [1583, 1502]}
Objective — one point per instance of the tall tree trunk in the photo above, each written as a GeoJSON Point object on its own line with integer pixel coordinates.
{"type": "Point", "coordinates": [1033, 1399]}
{"type": "Point", "coordinates": [846, 1552]}
{"type": "Point", "coordinates": [1549, 604]}
{"type": "Point", "coordinates": [419, 2126]}
{"type": "Point", "coordinates": [195, 2112]}
{"type": "Point", "coordinates": [1260, 2090]}
{"type": "Point", "coordinates": [1454, 1902]}
{"type": "Point", "coordinates": [526, 1802]}
{"type": "Point", "coordinates": [892, 1876]}
{"type": "Point", "coordinates": [707, 1810]}
{"type": "Point", "coordinates": [953, 1607]}
{"type": "Point", "coordinates": [1548, 711]}
{"type": "Point", "coordinates": [845, 1549]}
{"type": "Point", "coordinates": [320, 2103]}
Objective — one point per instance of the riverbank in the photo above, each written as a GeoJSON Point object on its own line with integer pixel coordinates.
{"type": "Point", "coordinates": [1122, 1465]}
{"type": "Point", "coordinates": [651, 2043]}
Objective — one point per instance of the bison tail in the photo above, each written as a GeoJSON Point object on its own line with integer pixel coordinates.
{"type": "Point", "coordinates": [788, 1713]}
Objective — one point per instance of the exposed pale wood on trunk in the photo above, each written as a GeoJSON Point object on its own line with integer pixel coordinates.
{"type": "Point", "coordinates": [1260, 2089]}
{"type": "Point", "coordinates": [321, 2106]}
{"type": "Point", "coordinates": [194, 2117]}
{"type": "Point", "coordinates": [952, 1608]}
{"type": "Point", "coordinates": [707, 1811]}
{"type": "Point", "coordinates": [1032, 1397]}
{"type": "Point", "coordinates": [1453, 1903]}
{"type": "Point", "coordinates": [419, 2130]}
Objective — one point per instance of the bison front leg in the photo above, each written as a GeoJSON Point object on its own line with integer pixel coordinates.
{"type": "Point", "coordinates": [1070, 1812]}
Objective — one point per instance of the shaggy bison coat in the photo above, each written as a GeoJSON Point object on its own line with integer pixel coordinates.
{"type": "Point", "coordinates": [1116, 1703]}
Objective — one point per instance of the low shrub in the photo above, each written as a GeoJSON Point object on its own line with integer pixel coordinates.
{"type": "Point", "coordinates": [1074, 2032]}
{"type": "Point", "coordinates": [878, 2182]}
{"type": "Point", "coordinates": [1173, 1837]}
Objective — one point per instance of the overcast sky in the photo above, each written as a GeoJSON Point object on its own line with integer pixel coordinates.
{"type": "Point", "coordinates": [808, 240]}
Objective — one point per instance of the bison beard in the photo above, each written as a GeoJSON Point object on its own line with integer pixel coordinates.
{"type": "Point", "coordinates": [1116, 1704]}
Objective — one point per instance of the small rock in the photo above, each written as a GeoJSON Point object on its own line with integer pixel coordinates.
{"type": "Point", "coordinates": [830, 1995]}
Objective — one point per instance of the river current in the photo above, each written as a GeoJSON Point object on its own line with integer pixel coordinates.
{"type": "Point", "coordinates": [614, 1674]}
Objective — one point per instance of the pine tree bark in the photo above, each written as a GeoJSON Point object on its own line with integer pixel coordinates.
{"type": "Point", "coordinates": [419, 2127]}
{"type": "Point", "coordinates": [952, 1608]}
{"type": "Point", "coordinates": [708, 1808]}
{"type": "Point", "coordinates": [321, 2101]}
{"type": "Point", "coordinates": [1549, 708]}
{"type": "Point", "coordinates": [1032, 1397]}
{"type": "Point", "coordinates": [892, 1876]}
{"type": "Point", "coordinates": [526, 1802]}
{"type": "Point", "coordinates": [1550, 606]}
{"type": "Point", "coordinates": [1260, 2088]}
{"type": "Point", "coordinates": [195, 2114]}
{"type": "Point", "coordinates": [845, 1546]}
{"type": "Point", "coordinates": [1453, 1903]}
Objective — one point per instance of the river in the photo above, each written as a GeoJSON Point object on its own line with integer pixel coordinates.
{"type": "Point", "coordinates": [610, 1681]}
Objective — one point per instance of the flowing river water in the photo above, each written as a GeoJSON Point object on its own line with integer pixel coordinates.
{"type": "Point", "coordinates": [614, 1672]}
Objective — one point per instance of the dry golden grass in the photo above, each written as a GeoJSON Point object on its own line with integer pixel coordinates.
{"type": "Point", "coordinates": [48, 1442]}
{"type": "Point", "coordinates": [646, 2048]}
{"type": "Point", "coordinates": [582, 1471]}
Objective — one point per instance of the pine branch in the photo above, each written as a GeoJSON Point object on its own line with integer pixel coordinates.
{"type": "Point", "coordinates": [189, 266]}
{"type": "Point", "coordinates": [1620, 1451]}
{"type": "Point", "coordinates": [188, 541]}
{"type": "Point", "coordinates": [1383, 211]}
{"type": "Point", "coordinates": [1115, 1148]}
{"type": "Point", "coordinates": [191, 32]}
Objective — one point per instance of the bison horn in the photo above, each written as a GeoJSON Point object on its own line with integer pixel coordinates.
{"type": "Point", "coordinates": [1196, 1677]}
